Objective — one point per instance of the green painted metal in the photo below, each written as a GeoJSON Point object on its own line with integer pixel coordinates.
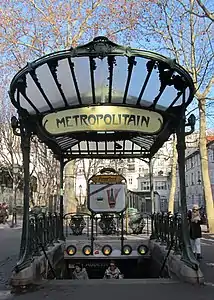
{"type": "Point", "coordinates": [48, 228]}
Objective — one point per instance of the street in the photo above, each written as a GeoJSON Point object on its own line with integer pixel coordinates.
{"type": "Point", "coordinates": [9, 250]}
{"type": "Point", "coordinates": [207, 263]}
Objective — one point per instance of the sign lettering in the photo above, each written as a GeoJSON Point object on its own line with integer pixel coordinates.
{"type": "Point", "coordinates": [103, 118]}
{"type": "Point", "coordinates": [107, 179]}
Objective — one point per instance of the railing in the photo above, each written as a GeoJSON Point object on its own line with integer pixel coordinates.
{"type": "Point", "coordinates": [110, 227]}
{"type": "Point", "coordinates": [166, 229]}
{"type": "Point", "coordinates": [147, 229]}
{"type": "Point", "coordinates": [44, 231]}
{"type": "Point", "coordinates": [67, 223]}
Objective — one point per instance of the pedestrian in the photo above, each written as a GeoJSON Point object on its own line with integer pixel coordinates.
{"type": "Point", "coordinates": [112, 272]}
{"type": "Point", "coordinates": [80, 272]}
{"type": "Point", "coordinates": [195, 230]}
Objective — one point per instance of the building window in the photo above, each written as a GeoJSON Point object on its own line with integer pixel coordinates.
{"type": "Point", "coordinates": [186, 180]}
{"type": "Point", "coordinates": [160, 185]}
{"type": "Point", "coordinates": [188, 163]}
{"type": "Point", "coordinates": [212, 177]}
{"type": "Point", "coordinates": [193, 199]}
{"type": "Point", "coordinates": [192, 178]}
{"type": "Point", "coordinates": [196, 160]}
{"type": "Point", "coordinates": [130, 180]}
{"type": "Point", "coordinates": [192, 162]}
{"type": "Point", "coordinates": [145, 186]}
{"type": "Point", "coordinates": [199, 177]}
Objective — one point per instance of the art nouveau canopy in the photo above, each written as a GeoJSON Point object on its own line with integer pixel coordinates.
{"type": "Point", "coordinates": [102, 100]}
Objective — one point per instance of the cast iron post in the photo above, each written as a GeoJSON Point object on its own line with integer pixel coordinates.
{"type": "Point", "coordinates": [151, 184]}
{"type": "Point", "coordinates": [62, 164]}
{"type": "Point", "coordinates": [25, 255]}
{"type": "Point", "coordinates": [187, 253]}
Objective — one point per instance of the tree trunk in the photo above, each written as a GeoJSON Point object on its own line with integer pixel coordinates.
{"type": "Point", "coordinates": [204, 166]}
{"type": "Point", "coordinates": [69, 189]}
{"type": "Point", "coordinates": [173, 177]}
{"type": "Point", "coordinates": [14, 190]}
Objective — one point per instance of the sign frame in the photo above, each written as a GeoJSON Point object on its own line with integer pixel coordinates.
{"type": "Point", "coordinates": [111, 210]}
{"type": "Point", "coordinates": [107, 178]}
{"type": "Point", "coordinates": [92, 119]}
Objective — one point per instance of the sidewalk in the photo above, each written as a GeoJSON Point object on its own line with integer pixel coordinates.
{"type": "Point", "coordinates": [207, 263]}
{"type": "Point", "coordinates": [124, 289]}
{"type": "Point", "coordinates": [9, 223]}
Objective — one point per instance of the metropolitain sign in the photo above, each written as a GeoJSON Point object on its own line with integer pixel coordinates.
{"type": "Point", "coordinates": [103, 118]}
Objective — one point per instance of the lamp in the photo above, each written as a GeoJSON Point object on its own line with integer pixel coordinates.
{"type": "Point", "coordinates": [80, 188]}
{"type": "Point", "coordinates": [16, 169]}
{"type": "Point", "coordinates": [191, 122]}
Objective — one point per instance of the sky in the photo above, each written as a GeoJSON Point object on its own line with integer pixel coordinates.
{"type": "Point", "coordinates": [148, 42]}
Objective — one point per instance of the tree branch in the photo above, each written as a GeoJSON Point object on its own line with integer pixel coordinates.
{"type": "Point", "coordinates": [207, 13]}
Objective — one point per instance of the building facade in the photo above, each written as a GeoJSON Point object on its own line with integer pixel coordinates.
{"type": "Point", "coordinates": [136, 173]}
{"type": "Point", "coordinates": [193, 177]}
{"type": "Point", "coordinates": [161, 184]}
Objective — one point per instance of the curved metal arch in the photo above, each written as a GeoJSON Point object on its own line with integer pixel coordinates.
{"type": "Point", "coordinates": [101, 47]}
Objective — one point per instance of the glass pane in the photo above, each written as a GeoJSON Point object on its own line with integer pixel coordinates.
{"type": "Point", "coordinates": [83, 146]}
{"type": "Point", "coordinates": [136, 147]}
{"type": "Point", "coordinates": [26, 105]}
{"type": "Point", "coordinates": [82, 72]}
{"type": "Point", "coordinates": [49, 86]}
{"type": "Point", "coordinates": [35, 95]}
{"type": "Point", "coordinates": [152, 88]}
{"type": "Point", "coordinates": [92, 147]}
{"type": "Point", "coordinates": [138, 77]}
{"type": "Point", "coordinates": [110, 146]}
{"type": "Point", "coordinates": [167, 97]}
{"type": "Point", "coordinates": [119, 79]}
{"type": "Point", "coordinates": [101, 75]}
{"type": "Point", "coordinates": [75, 148]}
{"type": "Point", "coordinates": [65, 79]}
{"type": "Point", "coordinates": [101, 146]}
{"type": "Point", "coordinates": [179, 102]}
{"type": "Point", "coordinates": [128, 147]}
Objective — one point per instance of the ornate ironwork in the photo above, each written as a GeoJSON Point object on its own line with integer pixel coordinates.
{"type": "Point", "coordinates": [107, 224]}
{"type": "Point", "coordinates": [77, 224]}
{"type": "Point", "coordinates": [61, 69]}
{"type": "Point", "coordinates": [44, 231]}
{"type": "Point", "coordinates": [169, 231]}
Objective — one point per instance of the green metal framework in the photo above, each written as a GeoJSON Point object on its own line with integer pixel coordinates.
{"type": "Point", "coordinates": [101, 73]}
{"type": "Point", "coordinates": [113, 75]}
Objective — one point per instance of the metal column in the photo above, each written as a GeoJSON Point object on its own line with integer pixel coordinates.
{"type": "Point", "coordinates": [151, 185]}
{"type": "Point", "coordinates": [61, 204]}
{"type": "Point", "coordinates": [187, 254]}
{"type": "Point", "coordinates": [25, 255]}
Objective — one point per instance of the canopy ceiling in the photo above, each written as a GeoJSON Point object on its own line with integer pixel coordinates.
{"type": "Point", "coordinates": [102, 74]}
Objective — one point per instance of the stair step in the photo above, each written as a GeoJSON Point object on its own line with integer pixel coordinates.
{"type": "Point", "coordinates": [104, 282]}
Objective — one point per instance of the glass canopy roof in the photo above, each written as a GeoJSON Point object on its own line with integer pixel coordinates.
{"type": "Point", "coordinates": [102, 73]}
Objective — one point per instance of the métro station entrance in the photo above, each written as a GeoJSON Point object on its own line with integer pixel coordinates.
{"type": "Point", "coordinates": [108, 232]}
{"type": "Point", "coordinates": [101, 101]}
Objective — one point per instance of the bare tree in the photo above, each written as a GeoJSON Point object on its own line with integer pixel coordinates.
{"type": "Point", "coordinates": [29, 29]}
{"type": "Point", "coordinates": [44, 26]}
{"type": "Point", "coordinates": [181, 33]}
{"type": "Point", "coordinates": [206, 13]}
{"type": "Point", "coordinates": [173, 177]}
{"type": "Point", "coordinates": [46, 169]}
{"type": "Point", "coordinates": [10, 156]}
{"type": "Point", "coordinates": [90, 167]}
